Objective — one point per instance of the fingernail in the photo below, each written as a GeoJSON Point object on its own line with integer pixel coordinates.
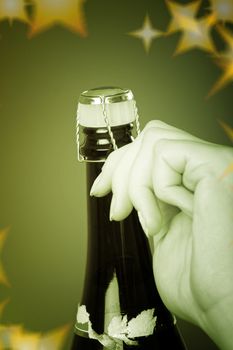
{"type": "Point", "coordinates": [94, 187]}
{"type": "Point", "coordinates": [112, 208]}
{"type": "Point", "coordinates": [143, 223]}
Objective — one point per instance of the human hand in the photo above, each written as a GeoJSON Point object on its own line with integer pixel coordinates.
{"type": "Point", "coordinates": [173, 180]}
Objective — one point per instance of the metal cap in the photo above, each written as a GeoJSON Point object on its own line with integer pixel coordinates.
{"type": "Point", "coordinates": [106, 105]}
{"type": "Point", "coordinates": [107, 93]}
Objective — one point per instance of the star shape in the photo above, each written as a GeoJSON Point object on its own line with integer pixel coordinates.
{"type": "Point", "coordinates": [198, 36]}
{"type": "Point", "coordinates": [146, 33]}
{"type": "Point", "coordinates": [3, 276]}
{"type": "Point", "coordinates": [183, 16]}
{"type": "Point", "coordinates": [6, 333]}
{"type": "Point", "coordinates": [22, 340]}
{"type": "Point", "coordinates": [228, 129]}
{"type": "Point", "coordinates": [19, 338]}
{"type": "Point", "coordinates": [223, 9]}
{"type": "Point", "coordinates": [54, 340]}
{"type": "Point", "coordinates": [68, 13]}
{"type": "Point", "coordinates": [13, 10]}
{"type": "Point", "coordinates": [225, 61]}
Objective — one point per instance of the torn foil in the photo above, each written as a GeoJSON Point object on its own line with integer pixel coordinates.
{"type": "Point", "coordinates": [119, 330]}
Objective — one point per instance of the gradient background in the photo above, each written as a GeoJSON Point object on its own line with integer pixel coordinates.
{"type": "Point", "coordinates": [42, 185]}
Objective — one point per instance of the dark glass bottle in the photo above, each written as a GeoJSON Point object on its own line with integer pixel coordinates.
{"type": "Point", "coordinates": [120, 307]}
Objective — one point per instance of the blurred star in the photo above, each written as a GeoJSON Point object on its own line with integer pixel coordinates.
{"type": "Point", "coordinates": [223, 10]}
{"type": "Point", "coordinates": [225, 61]}
{"type": "Point", "coordinates": [3, 276]}
{"type": "Point", "coordinates": [147, 33]}
{"type": "Point", "coordinates": [13, 10]}
{"type": "Point", "coordinates": [15, 337]}
{"type": "Point", "coordinates": [6, 332]}
{"type": "Point", "coordinates": [22, 340]}
{"type": "Point", "coordinates": [68, 13]}
{"type": "Point", "coordinates": [183, 16]}
{"type": "Point", "coordinates": [228, 130]}
{"type": "Point", "coordinates": [198, 36]}
{"type": "Point", "coordinates": [54, 340]}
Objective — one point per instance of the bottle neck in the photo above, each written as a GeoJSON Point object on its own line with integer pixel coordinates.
{"type": "Point", "coordinates": [97, 145]}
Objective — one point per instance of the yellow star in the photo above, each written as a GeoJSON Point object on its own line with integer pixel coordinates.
{"type": "Point", "coordinates": [225, 61]}
{"type": "Point", "coordinates": [3, 277]}
{"type": "Point", "coordinates": [147, 33]}
{"type": "Point", "coordinates": [54, 340]}
{"type": "Point", "coordinates": [197, 36]}
{"type": "Point", "coordinates": [68, 13]}
{"type": "Point", "coordinates": [6, 332]}
{"type": "Point", "coordinates": [183, 16]}
{"type": "Point", "coordinates": [223, 10]}
{"type": "Point", "coordinates": [20, 339]}
{"type": "Point", "coordinates": [16, 337]}
{"type": "Point", "coordinates": [13, 10]}
{"type": "Point", "coordinates": [228, 130]}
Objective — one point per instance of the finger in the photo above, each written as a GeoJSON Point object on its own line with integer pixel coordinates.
{"type": "Point", "coordinates": [141, 188]}
{"type": "Point", "coordinates": [121, 205]}
{"type": "Point", "coordinates": [162, 125]}
{"type": "Point", "coordinates": [168, 212]}
{"type": "Point", "coordinates": [172, 159]}
{"type": "Point", "coordinates": [149, 214]}
{"type": "Point", "coordinates": [103, 183]}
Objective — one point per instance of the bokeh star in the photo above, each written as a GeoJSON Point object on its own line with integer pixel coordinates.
{"type": "Point", "coordinates": [183, 16]}
{"type": "Point", "coordinates": [54, 340]}
{"type": "Point", "coordinates": [13, 10]}
{"type": "Point", "coordinates": [228, 129]}
{"type": "Point", "coordinates": [198, 36]}
{"type": "Point", "coordinates": [6, 332]}
{"type": "Point", "coordinates": [146, 33]}
{"type": "Point", "coordinates": [17, 337]}
{"type": "Point", "coordinates": [68, 13]}
{"type": "Point", "coordinates": [223, 10]}
{"type": "Point", "coordinates": [225, 61]}
{"type": "Point", "coordinates": [20, 339]}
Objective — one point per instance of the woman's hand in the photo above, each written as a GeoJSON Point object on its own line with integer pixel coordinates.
{"type": "Point", "coordinates": [174, 180]}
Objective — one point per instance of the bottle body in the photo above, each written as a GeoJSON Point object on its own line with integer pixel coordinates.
{"type": "Point", "coordinates": [121, 308]}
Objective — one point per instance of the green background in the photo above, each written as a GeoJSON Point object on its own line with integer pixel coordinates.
{"type": "Point", "coordinates": [42, 184]}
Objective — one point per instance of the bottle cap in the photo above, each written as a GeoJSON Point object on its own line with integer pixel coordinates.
{"type": "Point", "coordinates": [103, 106]}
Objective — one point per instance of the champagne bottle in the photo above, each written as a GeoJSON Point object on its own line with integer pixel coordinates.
{"type": "Point", "coordinates": [120, 308]}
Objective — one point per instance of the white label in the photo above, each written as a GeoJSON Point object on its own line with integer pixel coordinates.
{"type": "Point", "coordinates": [120, 329]}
